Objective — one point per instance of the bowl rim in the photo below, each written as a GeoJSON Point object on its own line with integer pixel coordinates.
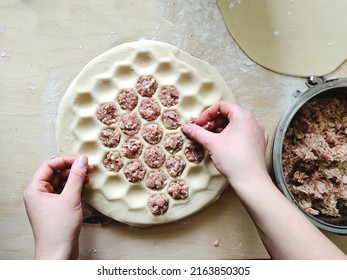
{"type": "Point", "coordinates": [280, 132]}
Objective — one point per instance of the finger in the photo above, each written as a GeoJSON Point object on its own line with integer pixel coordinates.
{"type": "Point", "coordinates": [214, 125]}
{"type": "Point", "coordinates": [199, 134]}
{"type": "Point", "coordinates": [48, 169]}
{"type": "Point", "coordinates": [74, 183]}
{"type": "Point", "coordinates": [223, 108]}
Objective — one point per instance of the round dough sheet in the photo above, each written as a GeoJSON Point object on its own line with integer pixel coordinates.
{"type": "Point", "coordinates": [125, 111]}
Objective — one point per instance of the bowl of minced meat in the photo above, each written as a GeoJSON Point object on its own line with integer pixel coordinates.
{"type": "Point", "coordinates": [310, 155]}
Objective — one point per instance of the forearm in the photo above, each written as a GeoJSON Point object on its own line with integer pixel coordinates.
{"type": "Point", "coordinates": [284, 230]}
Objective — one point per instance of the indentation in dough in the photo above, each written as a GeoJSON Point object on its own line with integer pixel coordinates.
{"type": "Point", "coordinates": [98, 175]}
{"type": "Point", "coordinates": [209, 92]}
{"type": "Point", "coordinates": [198, 178]}
{"type": "Point", "coordinates": [89, 148]}
{"type": "Point", "coordinates": [190, 103]}
{"type": "Point", "coordinates": [136, 197]}
{"type": "Point", "coordinates": [144, 59]}
{"type": "Point", "coordinates": [211, 168]}
{"type": "Point", "coordinates": [124, 71]}
{"type": "Point", "coordinates": [186, 79]}
{"type": "Point", "coordinates": [164, 68]}
{"type": "Point", "coordinates": [104, 90]}
{"type": "Point", "coordinates": [104, 83]}
{"type": "Point", "coordinates": [84, 100]}
{"type": "Point", "coordinates": [85, 128]}
{"type": "Point", "coordinates": [166, 72]}
{"type": "Point", "coordinates": [114, 188]}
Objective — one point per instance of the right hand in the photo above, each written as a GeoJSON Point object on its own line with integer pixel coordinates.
{"type": "Point", "coordinates": [234, 139]}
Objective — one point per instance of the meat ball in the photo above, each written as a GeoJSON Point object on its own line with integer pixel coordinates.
{"type": "Point", "coordinates": [149, 109]}
{"type": "Point", "coordinates": [110, 137]}
{"type": "Point", "coordinates": [156, 180]}
{"type": "Point", "coordinates": [127, 99]}
{"type": "Point", "coordinates": [146, 86]}
{"type": "Point", "coordinates": [158, 204]}
{"type": "Point", "coordinates": [173, 142]}
{"type": "Point", "coordinates": [113, 161]}
{"type": "Point", "coordinates": [154, 157]}
{"type": "Point", "coordinates": [175, 166]}
{"type": "Point", "coordinates": [130, 124]}
{"type": "Point", "coordinates": [178, 190]}
{"type": "Point", "coordinates": [171, 119]}
{"type": "Point", "coordinates": [169, 96]}
{"type": "Point", "coordinates": [132, 148]}
{"type": "Point", "coordinates": [194, 152]}
{"type": "Point", "coordinates": [152, 133]}
{"type": "Point", "coordinates": [135, 172]}
{"type": "Point", "coordinates": [107, 113]}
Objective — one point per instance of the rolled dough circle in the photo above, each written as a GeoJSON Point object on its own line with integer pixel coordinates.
{"type": "Point", "coordinates": [297, 38]}
{"type": "Point", "coordinates": [101, 81]}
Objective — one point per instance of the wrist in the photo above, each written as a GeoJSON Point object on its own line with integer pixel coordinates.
{"type": "Point", "coordinates": [48, 252]}
{"type": "Point", "coordinates": [252, 183]}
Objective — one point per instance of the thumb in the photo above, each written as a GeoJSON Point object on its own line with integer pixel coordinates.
{"type": "Point", "coordinates": [198, 134]}
{"type": "Point", "coordinates": [74, 183]}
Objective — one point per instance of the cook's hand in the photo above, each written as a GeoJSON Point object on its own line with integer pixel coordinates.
{"type": "Point", "coordinates": [234, 139]}
{"type": "Point", "coordinates": [53, 204]}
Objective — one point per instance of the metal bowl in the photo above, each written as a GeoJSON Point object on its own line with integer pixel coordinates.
{"type": "Point", "coordinates": [336, 88]}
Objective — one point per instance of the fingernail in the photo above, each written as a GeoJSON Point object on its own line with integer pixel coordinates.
{"type": "Point", "coordinates": [82, 161]}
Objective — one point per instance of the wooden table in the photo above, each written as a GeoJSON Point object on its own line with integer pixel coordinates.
{"type": "Point", "coordinates": [43, 46]}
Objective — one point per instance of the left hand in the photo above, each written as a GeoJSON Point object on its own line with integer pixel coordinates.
{"type": "Point", "coordinates": [53, 204]}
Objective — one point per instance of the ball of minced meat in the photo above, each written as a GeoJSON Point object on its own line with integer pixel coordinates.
{"type": "Point", "coordinates": [156, 180]}
{"type": "Point", "coordinates": [149, 109]}
{"type": "Point", "coordinates": [175, 165]}
{"type": "Point", "coordinates": [130, 124]}
{"type": "Point", "coordinates": [127, 99]}
{"type": "Point", "coordinates": [194, 152]}
{"type": "Point", "coordinates": [171, 119]}
{"type": "Point", "coordinates": [173, 142]}
{"type": "Point", "coordinates": [132, 148]}
{"type": "Point", "coordinates": [158, 204]}
{"type": "Point", "coordinates": [152, 133]}
{"type": "Point", "coordinates": [113, 161]}
{"type": "Point", "coordinates": [110, 137]}
{"type": "Point", "coordinates": [154, 157]}
{"type": "Point", "coordinates": [135, 172]}
{"type": "Point", "coordinates": [169, 96]}
{"type": "Point", "coordinates": [146, 86]}
{"type": "Point", "coordinates": [107, 113]}
{"type": "Point", "coordinates": [178, 190]}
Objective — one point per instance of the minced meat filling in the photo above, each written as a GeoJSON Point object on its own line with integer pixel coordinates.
{"type": "Point", "coordinates": [143, 141]}
{"type": "Point", "coordinates": [315, 156]}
